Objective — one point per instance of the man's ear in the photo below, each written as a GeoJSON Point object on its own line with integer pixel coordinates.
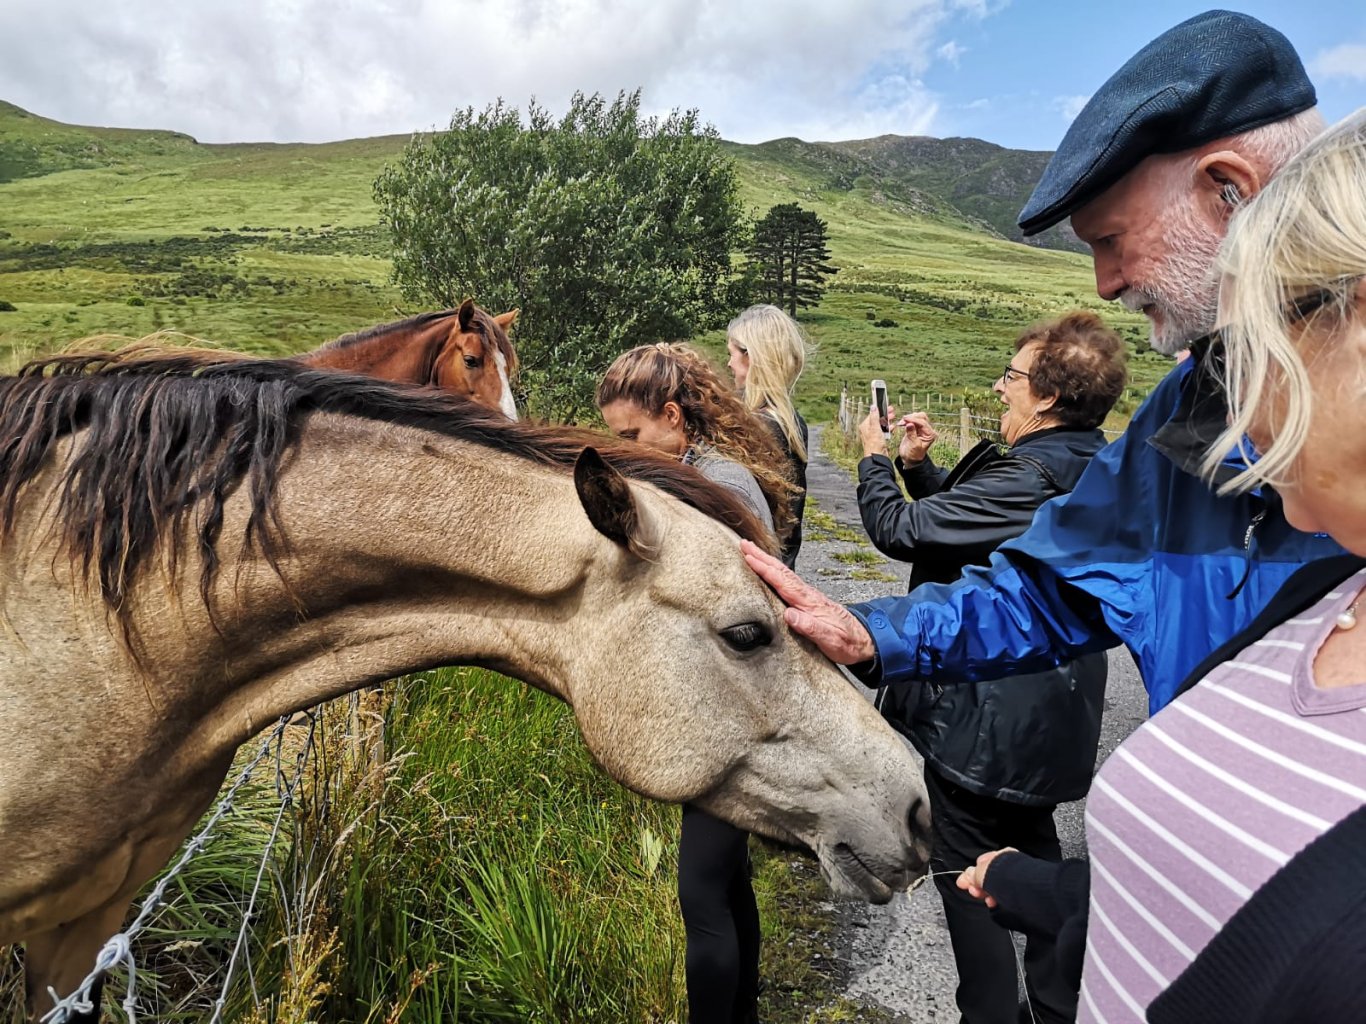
{"type": "Point", "coordinates": [1224, 180]}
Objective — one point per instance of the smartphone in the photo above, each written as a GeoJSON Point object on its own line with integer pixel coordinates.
{"type": "Point", "coordinates": [880, 402]}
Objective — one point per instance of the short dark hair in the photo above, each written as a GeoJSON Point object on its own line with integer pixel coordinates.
{"type": "Point", "coordinates": [1081, 363]}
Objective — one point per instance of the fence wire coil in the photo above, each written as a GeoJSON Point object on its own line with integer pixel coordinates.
{"type": "Point", "coordinates": [117, 951]}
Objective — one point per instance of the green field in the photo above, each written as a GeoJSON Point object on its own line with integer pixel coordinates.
{"type": "Point", "coordinates": [499, 876]}
{"type": "Point", "coordinates": [277, 248]}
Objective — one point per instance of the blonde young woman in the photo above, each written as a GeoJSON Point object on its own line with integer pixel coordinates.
{"type": "Point", "coordinates": [767, 355]}
{"type": "Point", "coordinates": [1227, 835]}
{"type": "Point", "coordinates": [666, 396]}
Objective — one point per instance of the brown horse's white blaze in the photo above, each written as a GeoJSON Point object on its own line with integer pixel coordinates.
{"type": "Point", "coordinates": [462, 351]}
{"type": "Point", "coordinates": [605, 591]}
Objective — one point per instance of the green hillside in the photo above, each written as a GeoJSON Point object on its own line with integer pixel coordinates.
{"type": "Point", "coordinates": [276, 248]}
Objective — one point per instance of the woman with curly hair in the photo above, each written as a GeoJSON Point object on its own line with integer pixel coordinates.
{"type": "Point", "coordinates": [666, 396]}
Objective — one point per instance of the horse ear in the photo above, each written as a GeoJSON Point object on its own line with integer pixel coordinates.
{"type": "Point", "coordinates": [466, 313]}
{"type": "Point", "coordinates": [612, 508]}
{"type": "Point", "coordinates": [506, 320]}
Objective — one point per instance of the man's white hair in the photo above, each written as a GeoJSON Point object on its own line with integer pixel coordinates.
{"type": "Point", "coordinates": [1274, 144]}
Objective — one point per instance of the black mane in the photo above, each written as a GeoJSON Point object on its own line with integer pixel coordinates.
{"type": "Point", "coordinates": [162, 437]}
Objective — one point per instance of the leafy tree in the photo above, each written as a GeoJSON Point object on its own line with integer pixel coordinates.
{"type": "Point", "coordinates": [789, 249]}
{"type": "Point", "coordinates": [606, 229]}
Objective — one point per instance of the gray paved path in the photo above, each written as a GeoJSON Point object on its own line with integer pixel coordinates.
{"type": "Point", "coordinates": [898, 956]}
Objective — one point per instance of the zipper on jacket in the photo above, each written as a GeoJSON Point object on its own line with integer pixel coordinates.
{"type": "Point", "coordinates": [1247, 555]}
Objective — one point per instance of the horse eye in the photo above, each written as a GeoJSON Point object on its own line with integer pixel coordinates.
{"type": "Point", "coordinates": [472, 362]}
{"type": "Point", "coordinates": [747, 636]}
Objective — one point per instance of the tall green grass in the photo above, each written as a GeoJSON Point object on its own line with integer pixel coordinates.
{"type": "Point", "coordinates": [473, 864]}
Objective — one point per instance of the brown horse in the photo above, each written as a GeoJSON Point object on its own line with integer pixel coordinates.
{"type": "Point", "coordinates": [193, 545]}
{"type": "Point", "coordinates": [464, 351]}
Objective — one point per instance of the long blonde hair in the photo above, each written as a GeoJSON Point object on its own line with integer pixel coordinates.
{"type": "Point", "coordinates": [1306, 230]}
{"type": "Point", "coordinates": [776, 347]}
{"type": "Point", "coordinates": [651, 375]}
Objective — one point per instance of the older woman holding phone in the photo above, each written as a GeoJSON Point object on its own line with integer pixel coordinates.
{"type": "Point", "coordinates": [1227, 835]}
{"type": "Point", "coordinates": [1001, 754]}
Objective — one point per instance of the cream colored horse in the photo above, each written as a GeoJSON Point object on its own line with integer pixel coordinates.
{"type": "Point", "coordinates": [194, 546]}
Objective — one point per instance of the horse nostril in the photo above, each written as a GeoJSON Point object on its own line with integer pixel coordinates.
{"type": "Point", "coordinates": [919, 817]}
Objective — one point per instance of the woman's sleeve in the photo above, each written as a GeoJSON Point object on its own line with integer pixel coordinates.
{"type": "Point", "coordinates": [981, 513]}
{"type": "Point", "coordinates": [1045, 898]}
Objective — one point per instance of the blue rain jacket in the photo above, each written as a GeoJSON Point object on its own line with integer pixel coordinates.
{"type": "Point", "coordinates": [1143, 552]}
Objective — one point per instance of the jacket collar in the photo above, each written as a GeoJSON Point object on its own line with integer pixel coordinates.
{"type": "Point", "coordinates": [1039, 435]}
{"type": "Point", "coordinates": [1201, 414]}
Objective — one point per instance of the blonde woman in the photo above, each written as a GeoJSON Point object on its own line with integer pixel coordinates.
{"type": "Point", "coordinates": [666, 396]}
{"type": "Point", "coordinates": [767, 355]}
{"type": "Point", "coordinates": [1227, 836]}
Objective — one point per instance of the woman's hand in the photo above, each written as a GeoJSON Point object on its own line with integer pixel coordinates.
{"type": "Point", "coordinates": [830, 626]}
{"type": "Point", "coordinates": [915, 443]}
{"type": "Point", "coordinates": [974, 879]}
{"type": "Point", "coordinates": [870, 433]}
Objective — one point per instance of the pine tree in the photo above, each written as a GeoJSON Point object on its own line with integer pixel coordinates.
{"type": "Point", "coordinates": [789, 248]}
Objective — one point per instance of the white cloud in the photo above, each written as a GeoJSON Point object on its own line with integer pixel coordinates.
{"type": "Point", "coordinates": [1070, 106]}
{"type": "Point", "coordinates": [951, 51]}
{"type": "Point", "coordinates": [311, 70]}
{"type": "Point", "coordinates": [1345, 61]}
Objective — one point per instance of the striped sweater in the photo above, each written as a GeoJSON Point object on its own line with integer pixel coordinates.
{"type": "Point", "coordinates": [1207, 800]}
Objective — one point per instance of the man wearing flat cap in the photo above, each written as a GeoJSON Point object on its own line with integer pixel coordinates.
{"type": "Point", "coordinates": [1143, 552]}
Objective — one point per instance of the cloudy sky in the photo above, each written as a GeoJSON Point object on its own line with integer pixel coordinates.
{"type": "Point", "coordinates": [1012, 71]}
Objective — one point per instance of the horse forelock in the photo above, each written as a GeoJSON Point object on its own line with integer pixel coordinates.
{"type": "Point", "coordinates": [161, 439]}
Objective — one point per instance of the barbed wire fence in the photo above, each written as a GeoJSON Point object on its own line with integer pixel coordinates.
{"type": "Point", "coordinates": [298, 752]}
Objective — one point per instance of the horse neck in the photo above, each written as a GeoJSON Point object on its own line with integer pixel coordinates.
{"type": "Point", "coordinates": [402, 354]}
{"type": "Point", "coordinates": [408, 550]}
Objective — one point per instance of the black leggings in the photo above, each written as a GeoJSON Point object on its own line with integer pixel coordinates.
{"type": "Point", "coordinates": [721, 920]}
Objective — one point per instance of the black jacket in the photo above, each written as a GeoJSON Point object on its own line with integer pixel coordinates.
{"type": "Point", "coordinates": [793, 543]}
{"type": "Point", "coordinates": [1030, 739]}
{"type": "Point", "coordinates": [1294, 953]}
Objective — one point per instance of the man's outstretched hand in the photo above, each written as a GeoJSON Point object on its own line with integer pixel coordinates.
{"type": "Point", "coordinates": [827, 624]}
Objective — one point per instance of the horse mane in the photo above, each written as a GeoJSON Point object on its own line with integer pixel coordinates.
{"type": "Point", "coordinates": [485, 324]}
{"type": "Point", "coordinates": [162, 438]}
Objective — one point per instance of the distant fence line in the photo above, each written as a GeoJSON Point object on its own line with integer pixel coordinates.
{"type": "Point", "coordinates": [949, 414]}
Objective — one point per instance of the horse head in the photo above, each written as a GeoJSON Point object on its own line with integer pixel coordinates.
{"type": "Point", "coordinates": [476, 358]}
{"type": "Point", "coordinates": [461, 351]}
{"type": "Point", "coordinates": [713, 701]}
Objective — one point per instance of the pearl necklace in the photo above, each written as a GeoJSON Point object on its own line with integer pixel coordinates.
{"type": "Point", "coordinates": [1348, 619]}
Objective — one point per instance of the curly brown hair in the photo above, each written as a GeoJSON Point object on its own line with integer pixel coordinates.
{"type": "Point", "coordinates": [1081, 363]}
{"type": "Point", "coordinates": [713, 414]}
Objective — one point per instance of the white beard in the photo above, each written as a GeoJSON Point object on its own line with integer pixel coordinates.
{"type": "Point", "coordinates": [1183, 289]}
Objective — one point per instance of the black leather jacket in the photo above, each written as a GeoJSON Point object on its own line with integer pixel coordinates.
{"type": "Point", "coordinates": [1029, 739]}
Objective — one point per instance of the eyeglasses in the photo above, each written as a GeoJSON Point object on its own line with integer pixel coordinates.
{"type": "Point", "coordinates": [1304, 306]}
{"type": "Point", "coordinates": [1010, 373]}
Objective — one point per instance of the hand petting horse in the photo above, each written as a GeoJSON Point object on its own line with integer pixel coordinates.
{"type": "Point", "coordinates": [192, 545]}
{"type": "Point", "coordinates": [464, 351]}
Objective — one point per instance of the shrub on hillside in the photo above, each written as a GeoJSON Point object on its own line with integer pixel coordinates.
{"type": "Point", "coordinates": [7, 307]}
{"type": "Point", "coordinates": [885, 322]}
{"type": "Point", "coordinates": [605, 228]}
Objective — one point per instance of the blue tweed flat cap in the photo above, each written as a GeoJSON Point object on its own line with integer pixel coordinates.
{"type": "Point", "coordinates": [1216, 75]}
